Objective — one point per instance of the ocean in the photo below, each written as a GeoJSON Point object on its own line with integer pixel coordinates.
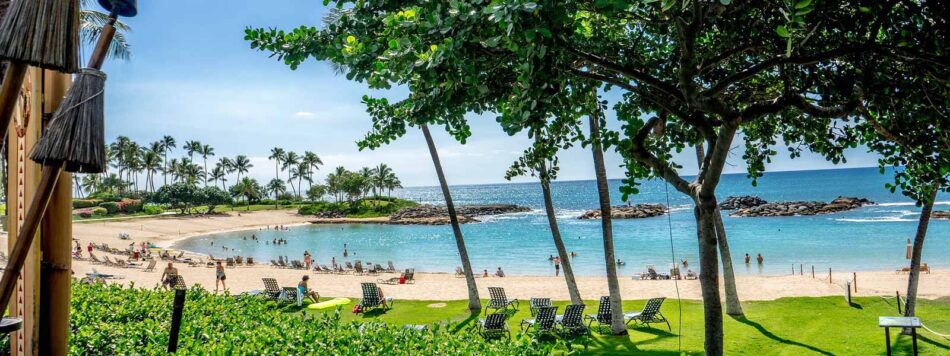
{"type": "Point", "coordinates": [869, 238]}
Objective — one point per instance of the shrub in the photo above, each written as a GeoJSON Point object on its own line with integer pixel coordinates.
{"type": "Point", "coordinates": [100, 211]}
{"type": "Point", "coordinates": [130, 206]}
{"type": "Point", "coordinates": [85, 203]}
{"type": "Point", "coordinates": [286, 196]}
{"type": "Point", "coordinates": [84, 213]}
{"type": "Point", "coordinates": [153, 209]}
{"type": "Point", "coordinates": [110, 206]}
{"type": "Point", "coordinates": [111, 319]}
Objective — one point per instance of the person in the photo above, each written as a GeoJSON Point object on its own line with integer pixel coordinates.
{"type": "Point", "coordinates": [759, 258]}
{"type": "Point", "coordinates": [685, 264]}
{"type": "Point", "coordinates": [550, 257]}
{"type": "Point", "coordinates": [168, 276]}
{"type": "Point", "coordinates": [333, 261]}
{"type": "Point", "coordinates": [557, 266]}
{"type": "Point", "coordinates": [303, 291]}
{"type": "Point", "coordinates": [219, 276]}
{"type": "Point", "coordinates": [346, 253]}
{"type": "Point", "coordinates": [573, 254]}
{"type": "Point", "coordinates": [89, 248]}
{"type": "Point", "coordinates": [499, 273]}
{"type": "Point", "coordinates": [747, 258]}
{"type": "Point", "coordinates": [306, 259]}
{"type": "Point", "coordinates": [486, 274]}
{"type": "Point", "coordinates": [382, 298]}
{"type": "Point", "coordinates": [620, 263]}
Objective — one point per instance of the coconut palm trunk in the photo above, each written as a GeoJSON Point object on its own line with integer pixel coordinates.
{"type": "Point", "coordinates": [474, 304]}
{"type": "Point", "coordinates": [733, 307]}
{"type": "Point", "coordinates": [558, 242]}
{"type": "Point", "coordinates": [617, 325]}
{"type": "Point", "coordinates": [914, 277]}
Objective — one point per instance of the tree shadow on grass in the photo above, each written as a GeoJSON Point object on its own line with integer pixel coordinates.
{"type": "Point", "coordinates": [761, 329]}
{"type": "Point", "coordinates": [467, 323]}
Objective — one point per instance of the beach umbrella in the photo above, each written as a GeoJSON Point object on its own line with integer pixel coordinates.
{"type": "Point", "coordinates": [39, 33]}
{"type": "Point", "coordinates": [73, 142]}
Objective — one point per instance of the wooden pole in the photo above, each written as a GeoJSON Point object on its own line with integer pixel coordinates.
{"type": "Point", "coordinates": [800, 270]}
{"type": "Point", "coordinates": [55, 244]}
{"type": "Point", "coordinates": [829, 274]}
{"type": "Point", "coordinates": [899, 312]}
{"type": "Point", "coordinates": [855, 283]}
{"type": "Point", "coordinates": [177, 309]}
{"type": "Point", "coordinates": [10, 92]}
{"type": "Point", "coordinates": [813, 271]}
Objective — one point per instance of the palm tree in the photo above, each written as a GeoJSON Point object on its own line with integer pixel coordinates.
{"type": "Point", "coordinates": [173, 169]}
{"type": "Point", "coordinates": [335, 182]}
{"type": "Point", "coordinates": [277, 187]}
{"type": "Point", "coordinates": [291, 160]}
{"type": "Point", "coordinates": [366, 176]}
{"type": "Point", "coordinates": [206, 151]}
{"type": "Point", "coordinates": [313, 163]}
{"type": "Point", "coordinates": [248, 189]}
{"type": "Point", "coordinates": [392, 182]}
{"type": "Point", "coordinates": [91, 23]}
{"type": "Point", "coordinates": [168, 143]}
{"type": "Point", "coordinates": [90, 182]}
{"type": "Point", "coordinates": [242, 165]}
{"type": "Point", "coordinates": [603, 192]}
{"type": "Point", "coordinates": [191, 147]}
{"type": "Point", "coordinates": [277, 154]}
{"type": "Point", "coordinates": [218, 173]}
{"type": "Point", "coordinates": [151, 163]}
{"type": "Point", "coordinates": [474, 304]}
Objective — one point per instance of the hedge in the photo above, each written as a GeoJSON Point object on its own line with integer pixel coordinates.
{"type": "Point", "coordinates": [110, 206]}
{"type": "Point", "coordinates": [85, 203]}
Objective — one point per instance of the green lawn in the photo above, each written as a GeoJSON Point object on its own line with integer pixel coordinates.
{"type": "Point", "coordinates": [788, 326]}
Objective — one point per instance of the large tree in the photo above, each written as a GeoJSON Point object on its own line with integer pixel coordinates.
{"type": "Point", "coordinates": [698, 71]}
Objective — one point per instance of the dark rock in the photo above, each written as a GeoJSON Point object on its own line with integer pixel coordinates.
{"type": "Point", "coordinates": [638, 211]}
{"type": "Point", "coordinates": [796, 208]}
{"type": "Point", "coordinates": [330, 214]}
{"type": "Point", "coordinates": [741, 202]}
{"type": "Point", "coordinates": [941, 214]}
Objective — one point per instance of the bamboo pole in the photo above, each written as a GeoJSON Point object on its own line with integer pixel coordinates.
{"type": "Point", "coordinates": [55, 238]}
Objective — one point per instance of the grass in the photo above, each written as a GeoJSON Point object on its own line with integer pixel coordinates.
{"type": "Point", "coordinates": [256, 207]}
{"type": "Point", "coordinates": [787, 326]}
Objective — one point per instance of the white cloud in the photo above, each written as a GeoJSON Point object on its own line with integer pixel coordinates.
{"type": "Point", "coordinates": [303, 114]}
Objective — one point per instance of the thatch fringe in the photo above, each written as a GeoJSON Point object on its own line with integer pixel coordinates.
{"type": "Point", "coordinates": [42, 33]}
{"type": "Point", "coordinates": [76, 134]}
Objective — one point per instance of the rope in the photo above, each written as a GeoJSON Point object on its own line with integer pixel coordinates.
{"type": "Point", "coordinates": [679, 301]}
{"type": "Point", "coordinates": [904, 299]}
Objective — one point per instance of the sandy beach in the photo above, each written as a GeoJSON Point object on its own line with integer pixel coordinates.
{"type": "Point", "coordinates": [164, 231]}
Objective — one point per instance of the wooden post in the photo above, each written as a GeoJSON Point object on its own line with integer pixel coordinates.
{"type": "Point", "coordinates": [55, 239]}
{"type": "Point", "coordinates": [793, 269]}
{"type": "Point", "coordinates": [855, 283]}
{"type": "Point", "coordinates": [829, 274]}
{"type": "Point", "coordinates": [25, 129]}
{"type": "Point", "coordinates": [899, 312]}
{"type": "Point", "coordinates": [177, 308]}
{"type": "Point", "coordinates": [813, 271]}
{"type": "Point", "coordinates": [800, 272]}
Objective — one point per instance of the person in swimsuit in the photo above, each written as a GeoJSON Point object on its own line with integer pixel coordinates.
{"type": "Point", "coordinates": [168, 276]}
{"type": "Point", "coordinates": [219, 276]}
{"type": "Point", "coordinates": [557, 266]}
{"type": "Point", "coordinates": [304, 291]}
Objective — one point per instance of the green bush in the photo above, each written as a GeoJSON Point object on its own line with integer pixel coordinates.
{"type": "Point", "coordinates": [153, 209]}
{"type": "Point", "coordinates": [85, 203]}
{"type": "Point", "coordinates": [100, 211]}
{"type": "Point", "coordinates": [109, 319]}
{"type": "Point", "coordinates": [110, 206]}
{"type": "Point", "coordinates": [130, 206]}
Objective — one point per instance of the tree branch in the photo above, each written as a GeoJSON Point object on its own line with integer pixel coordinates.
{"type": "Point", "coordinates": [639, 152]}
{"type": "Point", "coordinates": [629, 72]}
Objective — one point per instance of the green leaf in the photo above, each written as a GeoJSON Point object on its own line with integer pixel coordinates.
{"type": "Point", "coordinates": [782, 31]}
{"type": "Point", "coordinates": [802, 3]}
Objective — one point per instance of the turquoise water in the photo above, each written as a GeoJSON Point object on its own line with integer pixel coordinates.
{"type": "Point", "coordinates": [870, 238]}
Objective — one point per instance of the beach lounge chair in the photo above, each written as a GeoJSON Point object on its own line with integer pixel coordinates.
{"type": "Point", "coordinates": [371, 298]}
{"type": "Point", "coordinates": [494, 326]}
{"type": "Point", "coordinates": [537, 303]}
{"type": "Point", "coordinates": [229, 263]}
{"type": "Point", "coordinates": [281, 263]}
{"type": "Point", "coordinates": [459, 272]}
{"type": "Point", "coordinates": [107, 261]}
{"type": "Point", "coordinates": [239, 260]}
{"type": "Point", "coordinates": [358, 268]}
{"type": "Point", "coordinates": [603, 316]}
{"type": "Point", "coordinates": [499, 301]}
{"type": "Point", "coordinates": [542, 324]}
{"type": "Point", "coordinates": [378, 268]}
{"type": "Point", "coordinates": [274, 264]}
{"type": "Point", "coordinates": [250, 261]}
{"type": "Point", "coordinates": [271, 289]}
{"type": "Point", "coordinates": [410, 275]}
{"type": "Point", "coordinates": [572, 322]}
{"type": "Point", "coordinates": [649, 314]}
{"type": "Point", "coordinates": [151, 266]}
{"type": "Point", "coordinates": [95, 260]}
{"type": "Point", "coordinates": [349, 266]}
{"type": "Point", "coordinates": [392, 268]}
{"type": "Point", "coordinates": [924, 268]}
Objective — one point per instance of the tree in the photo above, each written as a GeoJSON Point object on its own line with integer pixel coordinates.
{"type": "Point", "coordinates": [205, 151]}
{"type": "Point", "coordinates": [211, 197]}
{"type": "Point", "coordinates": [241, 165]}
{"type": "Point", "coordinates": [248, 189]}
{"type": "Point", "coordinates": [276, 187]}
{"type": "Point", "coordinates": [277, 154]}
{"type": "Point", "coordinates": [316, 192]}
{"type": "Point", "coordinates": [218, 173]}
{"type": "Point", "coordinates": [697, 71]}
{"type": "Point", "coordinates": [192, 147]}
{"type": "Point", "coordinates": [168, 143]}
{"type": "Point", "coordinates": [180, 196]}
{"type": "Point", "coordinates": [313, 163]}
{"type": "Point", "coordinates": [151, 163]}
{"type": "Point", "coordinates": [291, 160]}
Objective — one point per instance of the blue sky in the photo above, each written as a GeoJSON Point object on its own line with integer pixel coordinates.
{"type": "Point", "coordinates": [194, 77]}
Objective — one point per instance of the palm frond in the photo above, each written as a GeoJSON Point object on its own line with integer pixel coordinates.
{"type": "Point", "coordinates": [92, 22]}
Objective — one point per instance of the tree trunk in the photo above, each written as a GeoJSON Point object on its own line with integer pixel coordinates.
{"type": "Point", "coordinates": [914, 277]}
{"type": "Point", "coordinates": [613, 285]}
{"type": "Point", "coordinates": [709, 274]}
{"type": "Point", "coordinates": [558, 242]}
{"type": "Point", "coordinates": [474, 304]}
{"type": "Point", "coordinates": [733, 307]}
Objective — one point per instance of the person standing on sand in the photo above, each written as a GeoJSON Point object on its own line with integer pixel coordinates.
{"type": "Point", "coordinates": [499, 273]}
{"type": "Point", "coordinates": [486, 274]}
{"type": "Point", "coordinates": [89, 248]}
{"type": "Point", "coordinates": [219, 277]}
{"type": "Point", "coordinates": [759, 258]}
{"type": "Point", "coordinates": [168, 276]}
{"type": "Point", "coordinates": [747, 258]}
{"type": "Point", "coordinates": [306, 259]}
{"type": "Point", "coordinates": [557, 266]}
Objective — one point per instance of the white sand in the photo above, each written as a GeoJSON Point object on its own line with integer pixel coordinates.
{"type": "Point", "coordinates": [439, 286]}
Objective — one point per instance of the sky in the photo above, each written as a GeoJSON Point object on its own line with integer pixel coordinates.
{"type": "Point", "coordinates": [194, 77]}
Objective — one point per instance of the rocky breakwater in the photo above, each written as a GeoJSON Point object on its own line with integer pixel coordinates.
{"type": "Point", "coordinates": [426, 214]}
{"type": "Point", "coordinates": [741, 202]}
{"type": "Point", "coordinates": [945, 215]}
{"type": "Point", "coordinates": [638, 211]}
{"type": "Point", "coordinates": [796, 208]}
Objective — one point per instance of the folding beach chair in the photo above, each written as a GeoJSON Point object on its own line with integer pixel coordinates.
{"type": "Point", "coordinates": [271, 289]}
{"type": "Point", "coordinates": [494, 326]}
{"type": "Point", "coordinates": [537, 303]}
{"type": "Point", "coordinates": [499, 301]}
{"type": "Point", "coordinates": [571, 324]}
{"type": "Point", "coordinates": [371, 298]}
{"type": "Point", "coordinates": [151, 266]}
{"type": "Point", "coordinates": [288, 294]}
{"type": "Point", "coordinates": [603, 316]}
{"type": "Point", "coordinates": [649, 314]}
{"type": "Point", "coordinates": [542, 324]}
